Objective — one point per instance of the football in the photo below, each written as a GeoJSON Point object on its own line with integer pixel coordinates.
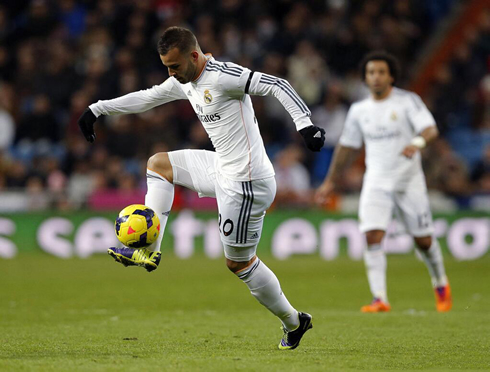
{"type": "Point", "coordinates": [137, 226]}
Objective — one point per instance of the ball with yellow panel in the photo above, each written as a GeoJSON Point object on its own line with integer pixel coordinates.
{"type": "Point", "coordinates": [137, 226]}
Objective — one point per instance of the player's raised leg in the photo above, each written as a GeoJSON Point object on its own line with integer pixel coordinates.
{"type": "Point", "coordinates": [375, 262]}
{"type": "Point", "coordinates": [430, 251]}
{"type": "Point", "coordinates": [160, 193]}
{"type": "Point", "coordinates": [159, 197]}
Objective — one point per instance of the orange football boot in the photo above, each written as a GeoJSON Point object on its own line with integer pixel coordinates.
{"type": "Point", "coordinates": [377, 306]}
{"type": "Point", "coordinates": [444, 301]}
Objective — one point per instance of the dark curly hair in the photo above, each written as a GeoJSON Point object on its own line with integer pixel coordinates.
{"type": "Point", "coordinates": [381, 55]}
{"type": "Point", "coordinates": [177, 37]}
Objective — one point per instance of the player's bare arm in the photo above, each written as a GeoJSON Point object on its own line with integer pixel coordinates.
{"type": "Point", "coordinates": [342, 157]}
{"type": "Point", "coordinates": [420, 141]}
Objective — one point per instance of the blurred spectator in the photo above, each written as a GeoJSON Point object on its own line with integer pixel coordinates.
{"type": "Point", "coordinates": [17, 174]}
{"type": "Point", "coordinates": [123, 136]}
{"type": "Point", "coordinates": [292, 177]}
{"type": "Point", "coordinates": [80, 185]}
{"type": "Point", "coordinates": [481, 173]}
{"type": "Point", "coordinates": [39, 123]}
{"type": "Point", "coordinates": [331, 117]}
{"type": "Point", "coordinates": [73, 16]}
{"type": "Point", "coordinates": [56, 179]}
{"type": "Point", "coordinates": [447, 172]}
{"type": "Point", "coordinates": [307, 72]}
{"type": "Point", "coordinates": [38, 21]}
{"type": "Point", "coordinates": [37, 197]}
{"type": "Point", "coordinates": [482, 107]}
{"type": "Point", "coordinates": [7, 129]}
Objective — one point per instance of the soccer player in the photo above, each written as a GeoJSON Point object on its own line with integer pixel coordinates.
{"type": "Point", "coordinates": [239, 174]}
{"type": "Point", "coordinates": [394, 125]}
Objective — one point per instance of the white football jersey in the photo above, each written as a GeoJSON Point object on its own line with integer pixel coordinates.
{"type": "Point", "coordinates": [386, 127]}
{"type": "Point", "coordinates": [220, 98]}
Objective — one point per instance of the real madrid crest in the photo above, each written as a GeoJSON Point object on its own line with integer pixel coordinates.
{"type": "Point", "coordinates": [208, 98]}
{"type": "Point", "coordinates": [393, 116]}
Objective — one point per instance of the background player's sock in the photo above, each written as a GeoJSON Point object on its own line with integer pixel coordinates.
{"type": "Point", "coordinates": [159, 197]}
{"type": "Point", "coordinates": [375, 261]}
{"type": "Point", "coordinates": [435, 263]}
{"type": "Point", "coordinates": [265, 287]}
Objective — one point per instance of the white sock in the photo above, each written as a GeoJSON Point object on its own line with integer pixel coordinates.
{"type": "Point", "coordinates": [435, 263]}
{"type": "Point", "coordinates": [265, 287]}
{"type": "Point", "coordinates": [375, 262]}
{"type": "Point", "coordinates": [159, 197]}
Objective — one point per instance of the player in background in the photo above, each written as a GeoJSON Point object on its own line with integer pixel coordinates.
{"type": "Point", "coordinates": [394, 125]}
{"type": "Point", "coordinates": [239, 174]}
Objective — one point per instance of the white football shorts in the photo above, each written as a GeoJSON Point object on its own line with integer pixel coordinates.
{"type": "Point", "coordinates": [241, 205]}
{"type": "Point", "coordinates": [410, 206]}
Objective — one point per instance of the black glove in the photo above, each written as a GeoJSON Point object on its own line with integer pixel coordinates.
{"type": "Point", "coordinates": [314, 137]}
{"type": "Point", "coordinates": [86, 123]}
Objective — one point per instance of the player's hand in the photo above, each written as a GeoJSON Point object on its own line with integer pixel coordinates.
{"type": "Point", "coordinates": [314, 137]}
{"type": "Point", "coordinates": [410, 151]}
{"type": "Point", "coordinates": [324, 192]}
{"type": "Point", "coordinates": [86, 123]}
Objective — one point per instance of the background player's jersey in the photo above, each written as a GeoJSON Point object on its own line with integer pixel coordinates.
{"type": "Point", "coordinates": [386, 127]}
{"type": "Point", "coordinates": [220, 98]}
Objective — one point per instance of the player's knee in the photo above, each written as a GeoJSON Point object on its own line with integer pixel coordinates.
{"type": "Point", "coordinates": [424, 243]}
{"type": "Point", "coordinates": [235, 266]}
{"type": "Point", "coordinates": [160, 163]}
{"type": "Point", "coordinates": [374, 236]}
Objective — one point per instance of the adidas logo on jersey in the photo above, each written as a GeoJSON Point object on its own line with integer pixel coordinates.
{"type": "Point", "coordinates": [189, 93]}
{"type": "Point", "coordinates": [255, 235]}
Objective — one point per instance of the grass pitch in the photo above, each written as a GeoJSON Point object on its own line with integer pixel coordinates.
{"type": "Point", "coordinates": [194, 315]}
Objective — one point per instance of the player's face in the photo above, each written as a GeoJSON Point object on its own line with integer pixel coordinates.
{"type": "Point", "coordinates": [378, 77]}
{"type": "Point", "coordinates": [181, 66]}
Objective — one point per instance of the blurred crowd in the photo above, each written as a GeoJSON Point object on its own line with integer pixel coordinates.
{"type": "Point", "coordinates": [57, 57]}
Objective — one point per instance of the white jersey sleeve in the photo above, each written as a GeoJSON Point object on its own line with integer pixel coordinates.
{"type": "Point", "coordinates": [140, 101]}
{"type": "Point", "coordinates": [260, 84]}
{"type": "Point", "coordinates": [418, 114]}
{"type": "Point", "coordinates": [352, 134]}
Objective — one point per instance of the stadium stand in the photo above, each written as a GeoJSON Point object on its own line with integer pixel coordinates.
{"type": "Point", "coordinates": [56, 57]}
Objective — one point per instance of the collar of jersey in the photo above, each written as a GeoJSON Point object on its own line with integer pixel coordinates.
{"type": "Point", "coordinates": [380, 101]}
{"type": "Point", "coordinates": [209, 56]}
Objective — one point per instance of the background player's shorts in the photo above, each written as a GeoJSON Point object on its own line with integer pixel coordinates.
{"type": "Point", "coordinates": [241, 205]}
{"type": "Point", "coordinates": [411, 206]}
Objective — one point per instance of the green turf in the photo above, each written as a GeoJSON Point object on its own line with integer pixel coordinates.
{"type": "Point", "coordinates": [95, 315]}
